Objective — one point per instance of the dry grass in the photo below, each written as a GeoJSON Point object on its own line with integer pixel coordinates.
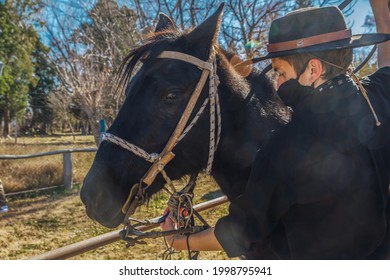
{"type": "Point", "coordinates": [27, 174]}
{"type": "Point", "coordinates": [42, 223]}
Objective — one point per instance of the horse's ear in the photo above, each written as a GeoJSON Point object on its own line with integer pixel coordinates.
{"type": "Point", "coordinates": [205, 35]}
{"type": "Point", "coordinates": [164, 23]}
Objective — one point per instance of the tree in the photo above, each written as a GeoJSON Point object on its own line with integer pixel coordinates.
{"type": "Point", "coordinates": [16, 46]}
{"type": "Point", "coordinates": [42, 113]}
{"type": "Point", "coordinates": [87, 55]}
{"type": "Point", "coordinates": [245, 22]}
{"type": "Point", "coordinates": [60, 103]}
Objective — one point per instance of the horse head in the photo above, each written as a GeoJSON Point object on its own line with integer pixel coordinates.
{"type": "Point", "coordinates": [157, 97]}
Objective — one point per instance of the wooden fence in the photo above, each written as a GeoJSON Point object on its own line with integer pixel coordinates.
{"type": "Point", "coordinates": [67, 161]}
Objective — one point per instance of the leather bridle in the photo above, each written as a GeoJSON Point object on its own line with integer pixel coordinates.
{"type": "Point", "coordinates": [160, 160]}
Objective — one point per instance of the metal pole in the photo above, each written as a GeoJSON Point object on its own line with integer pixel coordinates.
{"type": "Point", "coordinates": [104, 239]}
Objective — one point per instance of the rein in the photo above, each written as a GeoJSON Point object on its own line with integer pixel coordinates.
{"type": "Point", "coordinates": [137, 195]}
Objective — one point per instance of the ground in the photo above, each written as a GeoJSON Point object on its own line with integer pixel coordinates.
{"type": "Point", "coordinates": [47, 220]}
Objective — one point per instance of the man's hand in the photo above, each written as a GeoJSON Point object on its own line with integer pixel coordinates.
{"type": "Point", "coordinates": [200, 241]}
{"type": "Point", "coordinates": [168, 224]}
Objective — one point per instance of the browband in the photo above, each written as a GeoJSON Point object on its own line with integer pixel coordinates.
{"type": "Point", "coordinates": [187, 58]}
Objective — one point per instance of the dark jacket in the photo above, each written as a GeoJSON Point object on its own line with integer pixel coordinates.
{"type": "Point", "coordinates": [320, 188]}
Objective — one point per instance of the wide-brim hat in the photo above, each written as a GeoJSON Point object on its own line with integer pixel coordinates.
{"type": "Point", "coordinates": [314, 30]}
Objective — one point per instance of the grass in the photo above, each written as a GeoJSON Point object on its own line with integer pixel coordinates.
{"type": "Point", "coordinates": [27, 174]}
{"type": "Point", "coordinates": [42, 222]}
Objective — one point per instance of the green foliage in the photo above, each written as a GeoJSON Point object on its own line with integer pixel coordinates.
{"type": "Point", "coordinates": [17, 44]}
{"type": "Point", "coordinates": [28, 76]}
{"type": "Point", "coordinates": [42, 114]}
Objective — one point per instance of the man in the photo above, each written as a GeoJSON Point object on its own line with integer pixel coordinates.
{"type": "Point", "coordinates": [320, 188]}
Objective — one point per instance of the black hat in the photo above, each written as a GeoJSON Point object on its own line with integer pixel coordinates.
{"type": "Point", "coordinates": [314, 30]}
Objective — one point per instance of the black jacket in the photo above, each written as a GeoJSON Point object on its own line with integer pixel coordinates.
{"type": "Point", "coordinates": [320, 188]}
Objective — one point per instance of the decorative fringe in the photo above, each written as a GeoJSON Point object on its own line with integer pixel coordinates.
{"type": "Point", "coordinates": [363, 91]}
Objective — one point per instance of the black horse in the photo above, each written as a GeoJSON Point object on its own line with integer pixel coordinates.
{"type": "Point", "coordinates": [155, 99]}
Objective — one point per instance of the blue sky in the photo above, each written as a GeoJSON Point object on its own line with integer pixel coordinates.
{"type": "Point", "coordinates": [356, 19]}
{"type": "Point", "coordinates": [361, 9]}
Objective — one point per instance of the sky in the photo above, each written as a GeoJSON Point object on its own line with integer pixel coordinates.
{"type": "Point", "coordinates": [356, 19]}
{"type": "Point", "coordinates": [361, 9]}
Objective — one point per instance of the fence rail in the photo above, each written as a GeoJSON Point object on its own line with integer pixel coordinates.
{"type": "Point", "coordinates": [67, 161]}
{"type": "Point", "coordinates": [50, 153]}
{"type": "Point", "coordinates": [34, 191]}
{"type": "Point", "coordinates": [111, 237]}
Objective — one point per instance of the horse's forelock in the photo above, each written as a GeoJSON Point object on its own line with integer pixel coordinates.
{"type": "Point", "coordinates": [154, 44]}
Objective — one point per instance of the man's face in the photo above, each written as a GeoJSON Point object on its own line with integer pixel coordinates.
{"type": "Point", "coordinates": [284, 70]}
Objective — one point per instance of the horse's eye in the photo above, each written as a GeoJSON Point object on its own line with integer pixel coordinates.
{"type": "Point", "coordinates": [171, 96]}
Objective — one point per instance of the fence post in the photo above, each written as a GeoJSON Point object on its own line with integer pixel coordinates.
{"type": "Point", "coordinates": [102, 126]}
{"type": "Point", "coordinates": [67, 170]}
